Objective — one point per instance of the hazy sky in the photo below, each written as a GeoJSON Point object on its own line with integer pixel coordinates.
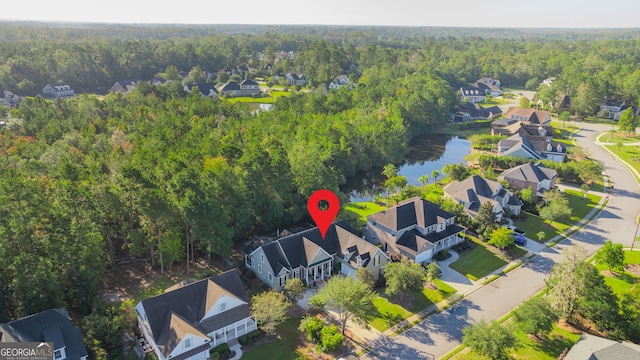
{"type": "Point", "coordinates": [472, 13]}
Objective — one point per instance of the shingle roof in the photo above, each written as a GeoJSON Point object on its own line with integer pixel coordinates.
{"type": "Point", "coordinates": [530, 115]}
{"type": "Point", "coordinates": [173, 314]}
{"type": "Point", "coordinates": [592, 347]}
{"type": "Point", "coordinates": [530, 172]}
{"type": "Point", "coordinates": [52, 325]}
{"type": "Point", "coordinates": [413, 211]}
{"type": "Point", "coordinates": [231, 85]}
{"type": "Point", "coordinates": [204, 88]}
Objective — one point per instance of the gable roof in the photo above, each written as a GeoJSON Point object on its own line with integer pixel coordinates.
{"type": "Point", "coordinates": [174, 314]}
{"type": "Point", "coordinates": [299, 249]}
{"type": "Point", "coordinates": [472, 91]}
{"type": "Point", "coordinates": [530, 115]}
{"type": "Point", "coordinates": [530, 172]}
{"type": "Point", "coordinates": [248, 82]}
{"type": "Point", "coordinates": [593, 347]}
{"type": "Point", "coordinates": [413, 211]}
{"type": "Point", "coordinates": [473, 190]}
{"type": "Point", "coordinates": [204, 88]}
{"type": "Point", "coordinates": [516, 143]}
{"type": "Point", "coordinates": [231, 85]}
{"type": "Point", "coordinates": [53, 325]}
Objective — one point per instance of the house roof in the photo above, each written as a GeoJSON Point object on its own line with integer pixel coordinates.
{"type": "Point", "coordinates": [204, 88]}
{"type": "Point", "coordinates": [413, 211]}
{"type": "Point", "coordinates": [412, 241]}
{"type": "Point", "coordinates": [248, 82]}
{"type": "Point", "coordinates": [530, 115]}
{"type": "Point", "coordinates": [53, 325]}
{"type": "Point", "coordinates": [529, 172]}
{"type": "Point", "coordinates": [231, 85]}
{"type": "Point", "coordinates": [472, 91]}
{"type": "Point", "coordinates": [477, 111]}
{"type": "Point", "coordinates": [516, 143]}
{"type": "Point", "coordinates": [613, 102]}
{"type": "Point", "coordinates": [476, 190]}
{"type": "Point", "coordinates": [174, 314]}
{"type": "Point", "coordinates": [593, 347]}
{"type": "Point", "coordinates": [299, 249]}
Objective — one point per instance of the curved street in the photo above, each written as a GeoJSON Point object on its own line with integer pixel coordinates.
{"type": "Point", "coordinates": [439, 334]}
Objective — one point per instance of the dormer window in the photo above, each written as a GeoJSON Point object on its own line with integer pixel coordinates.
{"type": "Point", "coordinates": [187, 343]}
{"type": "Point", "coordinates": [223, 306]}
{"type": "Point", "coordinates": [359, 261]}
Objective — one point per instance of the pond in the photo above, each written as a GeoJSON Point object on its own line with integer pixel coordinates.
{"type": "Point", "coordinates": [426, 154]}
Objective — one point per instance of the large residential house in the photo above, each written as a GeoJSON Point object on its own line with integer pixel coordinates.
{"type": "Point", "coordinates": [9, 99]}
{"type": "Point", "coordinates": [415, 228]}
{"type": "Point", "coordinates": [472, 94]}
{"type": "Point", "coordinates": [59, 91]}
{"type": "Point", "coordinates": [53, 325]}
{"type": "Point", "coordinates": [243, 88]}
{"type": "Point", "coordinates": [340, 81]}
{"type": "Point", "coordinates": [296, 79]}
{"type": "Point", "coordinates": [531, 116]}
{"type": "Point", "coordinates": [489, 85]}
{"type": "Point", "coordinates": [188, 320]}
{"type": "Point", "coordinates": [535, 176]}
{"type": "Point", "coordinates": [205, 89]}
{"type": "Point", "coordinates": [471, 112]}
{"type": "Point", "coordinates": [307, 256]}
{"type": "Point", "coordinates": [476, 190]}
{"type": "Point", "coordinates": [615, 108]}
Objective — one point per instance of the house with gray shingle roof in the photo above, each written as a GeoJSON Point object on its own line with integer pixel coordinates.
{"type": "Point", "coordinates": [591, 347]}
{"type": "Point", "coordinates": [307, 256]}
{"type": "Point", "coordinates": [476, 190]}
{"type": "Point", "coordinates": [536, 176]}
{"type": "Point", "coordinates": [415, 228]}
{"type": "Point", "coordinates": [191, 318]}
{"type": "Point", "coordinates": [59, 91]}
{"type": "Point", "coordinates": [205, 89]}
{"type": "Point", "coordinates": [53, 325]}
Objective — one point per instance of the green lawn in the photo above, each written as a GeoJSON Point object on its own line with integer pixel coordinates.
{"type": "Point", "coordinates": [477, 263]}
{"type": "Point", "coordinates": [363, 209]}
{"type": "Point", "coordinates": [270, 99]}
{"type": "Point", "coordinates": [548, 349]}
{"type": "Point", "coordinates": [391, 313]}
{"type": "Point", "coordinates": [629, 154]}
{"type": "Point", "coordinates": [625, 280]}
{"type": "Point", "coordinates": [282, 349]}
{"type": "Point", "coordinates": [580, 208]}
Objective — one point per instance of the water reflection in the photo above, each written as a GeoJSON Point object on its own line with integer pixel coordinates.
{"type": "Point", "coordinates": [426, 154]}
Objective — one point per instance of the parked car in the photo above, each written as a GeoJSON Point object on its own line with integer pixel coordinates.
{"type": "Point", "coordinates": [520, 240]}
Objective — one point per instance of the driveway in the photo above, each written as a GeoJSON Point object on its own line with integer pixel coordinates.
{"type": "Point", "coordinates": [437, 335]}
{"type": "Point", "coordinates": [453, 278]}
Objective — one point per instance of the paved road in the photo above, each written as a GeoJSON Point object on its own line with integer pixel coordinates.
{"type": "Point", "coordinates": [437, 335]}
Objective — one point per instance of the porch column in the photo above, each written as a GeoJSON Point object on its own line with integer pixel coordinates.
{"type": "Point", "coordinates": [246, 329]}
{"type": "Point", "coordinates": [235, 327]}
{"type": "Point", "coordinates": [322, 268]}
{"type": "Point", "coordinates": [225, 333]}
{"type": "Point", "coordinates": [306, 275]}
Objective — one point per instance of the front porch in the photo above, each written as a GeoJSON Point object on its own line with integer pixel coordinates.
{"type": "Point", "coordinates": [233, 331]}
{"type": "Point", "coordinates": [317, 273]}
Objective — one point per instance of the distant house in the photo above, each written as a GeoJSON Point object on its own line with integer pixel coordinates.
{"type": "Point", "coordinates": [53, 325]}
{"type": "Point", "coordinates": [519, 146]}
{"type": "Point", "coordinates": [527, 140]}
{"type": "Point", "coordinates": [489, 86]}
{"type": "Point", "coordinates": [470, 112]}
{"type": "Point", "coordinates": [591, 347]}
{"type": "Point", "coordinates": [296, 79]}
{"type": "Point", "coordinates": [123, 86]}
{"type": "Point", "coordinates": [242, 88]}
{"type": "Point", "coordinates": [205, 89]}
{"type": "Point", "coordinates": [615, 108]}
{"type": "Point", "coordinates": [189, 319]}
{"type": "Point", "coordinates": [60, 91]}
{"type": "Point", "coordinates": [535, 176]}
{"type": "Point", "coordinates": [339, 82]}
{"type": "Point", "coordinates": [9, 99]}
{"type": "Point", "coordinates": [476, 190]}
{"type": "Point", "coordinates": [415, 228]}
{"type": "Point", "coordinates": [472, 94]}
{"type": "Point", "coordinates": [307, 256]}
{"type": "Point", "coordinates": [548, 81]}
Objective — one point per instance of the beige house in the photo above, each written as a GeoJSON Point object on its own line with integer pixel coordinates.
{"type": "Point", "coordinates": [476, 190]}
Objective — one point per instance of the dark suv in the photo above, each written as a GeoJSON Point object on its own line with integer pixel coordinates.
{"type": "Point", "coordinates": [520, 240]}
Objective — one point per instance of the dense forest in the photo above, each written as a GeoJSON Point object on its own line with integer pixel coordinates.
{"type": "Point", "coordinates": [163, 174]}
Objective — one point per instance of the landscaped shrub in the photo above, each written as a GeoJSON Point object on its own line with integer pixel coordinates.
{"type": "Point", "coordinates": [254, 334]}
{"type": "Point", "coordinates": [222, 349]}
{"type": "Point", "coordinates": [214, 355]}
{"type": "Point", "coordinates": [311, 326]}
{"type": "Point", "coordinates": [331, 338]}
{"type": "Point", "coordinates": [242, 339]}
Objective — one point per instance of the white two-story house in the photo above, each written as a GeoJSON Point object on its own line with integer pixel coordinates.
{"type": "Point", "coordinates": [415, 228]}
{"type": "Point", "coordinates": [307, 256]}
{"type": "Point", "coordinates": [476, 190]}
{"type": "Point", "coordinates": [189, 319]}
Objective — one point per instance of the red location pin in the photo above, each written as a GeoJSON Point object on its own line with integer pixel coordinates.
{"type": "Point", "coordinates": [323, 218]}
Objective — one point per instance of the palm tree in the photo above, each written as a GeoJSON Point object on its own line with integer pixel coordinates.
{"type": "Point", "coordinates": [389, 171]}
{"type": "Point", "coordinates": [435, 175]}
{"type": "Point", "coordinates": [424, 179]}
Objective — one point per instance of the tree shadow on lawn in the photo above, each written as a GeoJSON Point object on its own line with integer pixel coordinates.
{"type": "Point", "coordinates": [394, 350]}
{"type": "Point", "coordinates": [552, 345]}
{"type": "Point", "coordinates": [540, 264]}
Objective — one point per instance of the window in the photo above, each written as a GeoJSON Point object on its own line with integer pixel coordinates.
{"type": "Point", "coordinates": [223, 306]}
{"type": "Point", "coordinates": [57, 354]}
{"type": "Point", "coordinates": [187, 343]}
{"type": "Point", "coordinates": [260, 268]}
{"type": "Point", "coordinates": [253, 263]}
{"type": "Point", "coordinates": [376, 260]}
{"type": "Point", "coordinates": [261, 257]}
{"type": "Point", "coordinates": [296, 273]}
{"type": "Point", "coordinates": [270, 277]}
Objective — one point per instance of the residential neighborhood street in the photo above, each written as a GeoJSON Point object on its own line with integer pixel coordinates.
{"type": "Point", "coordinates": [439, 334]}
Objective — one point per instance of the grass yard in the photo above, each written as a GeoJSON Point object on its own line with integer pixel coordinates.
{"type": "Point", "coordinates": [478, 263]}
{"type": "Point", "coordinates": [363, 209]}
{"type": "Point", "coordinates": [629, 154]}
{"type": "Point", "coordinates": [624, 281]}
{"type": "Point", "coordinates": [527, 349]}
{"type": "Point", "coordinates": [391, 313]}
{"type": "Point", "coordinates": [282, 349]}
{"type": "Point", "coordinates": [269, 99]}
{"type": "Point", "coordinates": [579, 206]}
